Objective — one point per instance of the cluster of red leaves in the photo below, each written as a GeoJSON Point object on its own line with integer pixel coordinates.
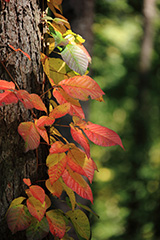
{"type": "Point", "coordinates": [34, 216]}
{"type": "Point", "coordinates": [65, 161]}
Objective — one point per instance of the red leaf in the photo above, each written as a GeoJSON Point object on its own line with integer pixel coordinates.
{"type": "Point", "coordinates": [76, 158]}
{"type": "Point", "coordinates": [58, 147]}
{"type": "Point", "coordinates": [63, 97]}
{"type": "Point", "coordinates": [80, 163]}
{"type": "Point", "coordinates": [24, 97]}
{"type": "Point", "coordinates": [77, 184]}
{"type": "Point", "coordinates": [28, 132]}
{"type": "Point", "coordinates": [60, 110]}
{"type": "Point", "coordinates": [37, 192]}
{"type": "Point", "coordinates": [4, 85]}
{"type": "Point", "coordinates": [79, 137]}
{"type": "Point", "coordinates": [36, 208]}
{"type": "Point", "coordinates": [56, 222]}
{"type": "Point", "coordinates": [81, 87]}
{"type": "Point", "coordinates": [89, 168]}
{"type": "Point", "coordinates": [18, 218]}
{"type": "Point", "coordinates": [37, 102]}
{"type": "Point", "coordinates": [57, 165]}
{"type": "Point", "coordinates": [44, 121]}
{"type": "Point", "coordinates": [7, 97]}
{"type": "Point", "coordinates": [43, 133]}
{"type": "Point", "coordinates": [27, 181]}
{"type": "Point", "coordinates": [101, 135]}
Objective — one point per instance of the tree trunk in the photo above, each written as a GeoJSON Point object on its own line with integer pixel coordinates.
{"type": "Point", "coordinates": [19, 28]}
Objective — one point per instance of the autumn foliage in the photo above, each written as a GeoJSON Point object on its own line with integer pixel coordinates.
{"type": "Point", "coordinates": [67, 164]}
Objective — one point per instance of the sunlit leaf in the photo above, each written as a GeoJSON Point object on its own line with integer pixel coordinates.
{"type": "Point", "coordinates": [76, 182]}
{"type": "Point", "coordinates": [56, 188]}
{"type": "Point", "coordinates": [76, 159]}
{"type": "Point", "coordinates": [44, 121]}
{"type": "Point", "coordinates": [58, 147]}
{"type": "Point", "coordinates": [80, 222]}
{"type": "Point", "coordinates": [60, 110]}
{"type": "Point", "coordinates": [101, 135]}
{"type": "Point", "coordinates": [36, 208]}
{"type": "Point", "coordinates": [75, 58]}
{"type": "Point", "coordinates": [4, 85]}
{"type": "Point", "coordinates": [18, 218]}
{"type": "Point", "coordinates": [62, 97]}
{"type": "Point", "coordinates": [79, 137]}
{"type": "Point", "coordinates": [30, 135]}
{"type": "Point", "coordinates": [81, 87]}
{"type": "Point", "coordinates": [56, 169]}
{"type": "Point", "coordinates": [38, 229]}
{"type": "Point", "coordinates": [56, 222]}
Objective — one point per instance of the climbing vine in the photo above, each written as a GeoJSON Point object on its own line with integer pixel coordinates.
{"type": "Point", "coordinates": [65, 63]}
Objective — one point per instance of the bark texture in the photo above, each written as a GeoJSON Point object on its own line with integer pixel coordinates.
{"type": "Point", "coordinates": [19, 22]}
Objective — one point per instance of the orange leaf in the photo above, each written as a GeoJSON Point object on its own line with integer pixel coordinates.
{"type": "Point", "coordinates": [37, 102]}
{"type": "Point", "coordinates": [27, 181]}
{"type": "Point", "coordinates": [79, 137]}
{"type": "Point", "coordinates": [58, 147]}
{"type": "Point", "coordinates": [28, 132]}
{"type": "Point", "coordinates": [81, 87]}
{"type": "Point", "coordinates": [60, 110]}
{"type": "Point", "coordinates": [63, 97]}
{"type": "Point", "coordinates": [77, 184]}
{"type": "Point", "coordinates": [44, 121]}
{"type": "Point", "coordinates": [37, 192]}
{"type": "Point", "coordinates": [4, 85]}
{"type": "Point", "coordinates": [36, 208]}
{"type": "Point", "coordinates": [101, 135]}
{"type": "Point", "coordinates": [56, 188]}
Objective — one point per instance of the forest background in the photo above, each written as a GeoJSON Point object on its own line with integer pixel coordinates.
{"type": "Point", "coordinates": [126, 64]}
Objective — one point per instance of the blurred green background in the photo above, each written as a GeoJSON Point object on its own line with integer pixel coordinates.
{"type": "Point", "coordinates": [127, 186]}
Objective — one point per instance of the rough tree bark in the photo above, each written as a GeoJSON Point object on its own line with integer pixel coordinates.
{"type": "Point", "coordinates": [18, 27]}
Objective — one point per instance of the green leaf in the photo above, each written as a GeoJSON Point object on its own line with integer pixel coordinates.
{"type": "Point", "coordinates": [18, 218]}
{"type": "Point", "coordinates": [75, 58]}
{"type": "Point", "coordinates": [37, 230]}
{"type": "Point", "coordinates": [70, 194]}
{"type": "Point", "coordinates": [80, 222]}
